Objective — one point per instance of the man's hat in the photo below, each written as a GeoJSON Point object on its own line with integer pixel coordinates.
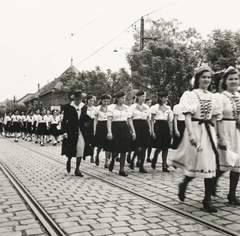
{"type": "Point", "coordinates": [77, 94]}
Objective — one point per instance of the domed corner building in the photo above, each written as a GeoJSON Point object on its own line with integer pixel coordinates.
{"type": "Point", "coordinates": [50, 95]}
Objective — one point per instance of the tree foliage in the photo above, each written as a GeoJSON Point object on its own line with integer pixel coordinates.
{"type": "Point", "coordinates": [168, 62]}
{"type": "Point", "coordinates": [222, 49]}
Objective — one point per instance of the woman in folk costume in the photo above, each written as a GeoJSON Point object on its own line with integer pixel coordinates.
{"type": "Point", "coordinates": [229, 131]}
{"type": "Point", "coordinates": [161, 122]}
{"type": "Point", "coordinates": [54, 122]}
{"type": "Point", "coordinates": [75, 120]}
{"type": "Point", "coordinates": [140, 114]}
{"type": "Point", "coordinates": [119, 125]}
{"type": "Point", "coordinates": [100, 129]}
{"type": "Point", "coordinates": [34, 122]}
{"type": "Point", "coordinates": [197, 154]}
{"type": "Point", "coordinates": [29, 125]}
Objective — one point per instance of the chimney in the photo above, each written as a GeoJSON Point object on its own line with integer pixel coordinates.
{"type": "Point", "coordinates": [71, 62]}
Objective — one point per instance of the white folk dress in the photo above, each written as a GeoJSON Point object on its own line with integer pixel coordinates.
{"type": "Point", "coordinates": [231, 134]}
{"type": "Point", "coordinates": [202, 105]}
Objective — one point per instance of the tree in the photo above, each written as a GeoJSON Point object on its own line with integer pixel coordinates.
{"type": "Point", "coordinates": [222, 49]}
{"type": "Point", "coordinates": [167, 63]}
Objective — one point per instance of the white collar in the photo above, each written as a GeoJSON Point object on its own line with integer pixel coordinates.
{"type": "Point", "coordinates": [77, 107]}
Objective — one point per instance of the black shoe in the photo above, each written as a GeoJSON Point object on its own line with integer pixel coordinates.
{"type": "Point", "coordinates": [208, 207]}
{"type": "Point", "coordinates": [36, 141]}
{"type": "Point", "coordinates": [68, 166]}
{"type": "Point", "coordinates": [97, 161]}
{"type": "Point", "coordinates": [111, 166]}
{"type": "Point", "coordinates": [106, 166]}
{"type": "Point", "coordinates": [131, 166]}
{"type": "Point", "coordinates": [123, 173]}
{"type": "Point", "coordinates": [78, 173]}
{"type": "Point", "coordinates": [142, 170]}
{"type": "Point", "coordinates": [181, 192]}
{"type": "Point", "coordinates": [165, 169]}
{"type": "Point", "coordinates": [118, 159]}
{"type": "Point", "coordinates": [153, 164]}
{"type": "Point", "coordinates": [233, 200]}
{"type": "Point", "coordinates": [149, 160]}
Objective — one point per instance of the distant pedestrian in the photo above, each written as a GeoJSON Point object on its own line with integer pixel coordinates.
{"type": "Point", "coordinates": [42, 126]}
{"type": "Point", "coordinates": [15, 124]}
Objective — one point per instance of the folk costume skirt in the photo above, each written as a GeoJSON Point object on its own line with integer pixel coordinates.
{"type": "Point", "coordinates": [162, 132]}
{"type": "Point", "coordinates": [142, 134]}
{"type": "Point", "coordinates": [121, 142]}
{"type": "Point", "coordinates": [231, 135]}
{"type": "Point", "coordinates": [100, 138]}
{"type": "Point", "coordinates": [29, 128]}
{"type": "Point", "coordinates": [1, 127]}
{"type": "Point", "coordinates": [197, 163]}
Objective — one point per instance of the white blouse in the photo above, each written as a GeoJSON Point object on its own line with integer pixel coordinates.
{"type": "Point", "coordinates": [118, 114]}
{"type": "Point", "coordinates": [16, 118]}
{"type": "Point", "coordinates": [54, 120]}
{"type": "Point", "coordinates": [42, 119]}
{"type": "Point", "coordinates": [161, 112]}
{"type": "Point", "coordinates": [100, 114]}
{"type": "Point", "coordinates": [139, 113]}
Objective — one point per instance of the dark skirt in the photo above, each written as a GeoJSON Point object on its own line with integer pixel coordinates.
{"type": "Point", "coordinates": [89, 133]}
{"type": "Point", "coordinates": [100, 138]}
{"type": "Point", "coordinates": [54, 130]}
{"type": "Point", "coordinates": [7, 126]}
{"type": "Point", "coordinates": [1, 127]}
{"type": "Point", "coordinates": [42, 128]}
{"type": "Point", "coordinates": [162, 132]}
{"type": "Point", "coordinates": [142, 134]}
{"type": "Point", "coordinates": [34, 127]}
{"type": "Point", "coordinates": [29, 128]}
{"type": "Point", "coordinates": [121, 142]}
{"type": "Point", "coordinates": [23, 127]}
{"type": "Point", "coordinates": [16, 127]}
{"type": "Point", "coordinates": [177, 140]}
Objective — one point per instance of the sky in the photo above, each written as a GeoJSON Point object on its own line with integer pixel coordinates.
{"type": "Point", "coordinates": [38, 38]}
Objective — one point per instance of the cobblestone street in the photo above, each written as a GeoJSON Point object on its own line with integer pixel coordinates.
{"type": "Point", "coordinates": [89, 206]}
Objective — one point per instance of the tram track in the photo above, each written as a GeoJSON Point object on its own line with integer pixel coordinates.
{"type": "Point", "coordinates": [206, 223]}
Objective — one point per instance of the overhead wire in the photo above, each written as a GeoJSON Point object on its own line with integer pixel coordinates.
{"type": "Point", "coordinates": [72, 34]}
{"type": "Point", "coordinates": [124, 32]}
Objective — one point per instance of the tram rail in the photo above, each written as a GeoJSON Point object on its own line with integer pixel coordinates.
{"type": "Point", "coordinates": [208, 224]}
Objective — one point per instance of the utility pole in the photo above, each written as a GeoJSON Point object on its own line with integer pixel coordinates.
{"type": "Point", "coordinates": [142, 34]}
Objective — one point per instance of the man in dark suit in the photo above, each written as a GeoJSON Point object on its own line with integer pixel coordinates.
{"type": "Point", "coordinates": [75, 119]}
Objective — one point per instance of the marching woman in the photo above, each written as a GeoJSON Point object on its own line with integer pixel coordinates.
{"type": "Point", "coordinates": [90, 99]}
{"type": "Point", "coordinates": [228, 131]}
{"type": "Point", "coordinates": [161, 121]}
{"type": "Point", "coordinates": [48, 135]}
{"type": "Point", "coordinates": [118, 124]}
{"type": "Point", "coordinates": [7, 122]}
{"type": "Point", "coordinates": [140, 113]}
{"type": "Point", "coordinates": [42, 126]}
{"type": "Point", "coordinates": [54, 123]}
{"type": "Point", "coordinates": [197, 154]}
{"type": "Point", "coordinates": [23, 125]}
{"type": "Point", "coordinates": [34, 123]}
{"type": "Point", "coordinates": [100, 128]}
{"type": "Point", "coordinates": [75, 121]}
{"type": "Point", "coordinates": [15, 123]}
{"type": "Point", "coordinates": [29, 125]}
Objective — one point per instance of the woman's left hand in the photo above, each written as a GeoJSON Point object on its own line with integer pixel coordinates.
{"type": "Point", "coordinates": [133, 136]}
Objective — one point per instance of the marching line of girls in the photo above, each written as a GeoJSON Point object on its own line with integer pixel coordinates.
{"type": "Point", "coordinates": [40, 125]}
